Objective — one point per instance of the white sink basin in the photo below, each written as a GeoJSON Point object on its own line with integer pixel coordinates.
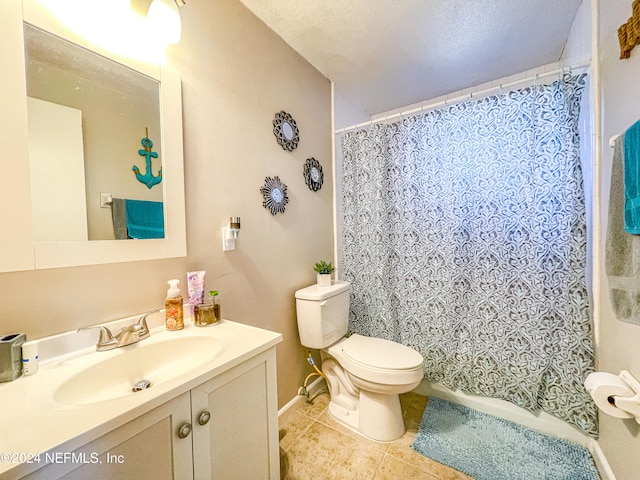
{"type": "Point", "coordinates": [155, 361]}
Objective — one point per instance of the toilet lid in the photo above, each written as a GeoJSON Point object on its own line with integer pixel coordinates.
{"type": "Point", "coordinates": [380, 353]}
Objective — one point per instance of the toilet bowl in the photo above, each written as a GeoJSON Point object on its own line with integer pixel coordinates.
{"type": "Point", "coordinates": [365, 375]}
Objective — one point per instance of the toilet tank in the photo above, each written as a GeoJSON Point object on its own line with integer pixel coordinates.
{"type": "Point", "coordinates": [323, 314]}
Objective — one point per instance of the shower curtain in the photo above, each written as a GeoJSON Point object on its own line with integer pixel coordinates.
{"type": "Point", "coordinates": [464, 237]}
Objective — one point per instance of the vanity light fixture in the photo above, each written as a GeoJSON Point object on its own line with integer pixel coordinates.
{"type": "Point", "coordinates": [164, 17]}
{"type": "Point", "coordinates": [138, 29]}
{"type": "Point", "coordinates": [230, 234]}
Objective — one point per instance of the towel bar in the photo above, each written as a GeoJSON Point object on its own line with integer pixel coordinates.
{"type": "Point", "coordinates": [612, 140]}
{"type": "Point", "coordinates": [105, 200]}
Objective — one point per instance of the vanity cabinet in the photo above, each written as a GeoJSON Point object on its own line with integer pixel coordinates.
{"type": "Point", "coordinates": [225, 428]}
{"type": "Point", "coordinates": [241, 438]}
{"type": "Point", "coordinates": [147, 447]}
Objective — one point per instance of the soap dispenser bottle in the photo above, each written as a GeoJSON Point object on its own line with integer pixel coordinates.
{"type": "Point", "coordinates": [174, 313]}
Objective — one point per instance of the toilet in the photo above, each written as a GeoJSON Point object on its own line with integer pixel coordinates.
{"type": "Point", "coordinates": [365, 375]}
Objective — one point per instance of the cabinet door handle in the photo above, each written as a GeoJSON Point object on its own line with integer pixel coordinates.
{"type": "Point", "coordinates": [204, 418]}
{"type": "Point", "coordinates": [184, 431]}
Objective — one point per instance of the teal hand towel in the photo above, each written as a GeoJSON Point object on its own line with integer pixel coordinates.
{"type": "Point", "coordinates": [145, 219]}
{"type": "Point", "coordinates": [632, 179]}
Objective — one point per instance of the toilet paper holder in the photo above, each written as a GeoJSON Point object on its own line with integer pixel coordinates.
{"type": "Point", "coordinates": [631, 405]}
{"type": "Point", "coordinates": [615, 395]}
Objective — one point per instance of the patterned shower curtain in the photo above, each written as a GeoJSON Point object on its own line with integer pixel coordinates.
{"type": "Point", "coordinates": [465, 238]}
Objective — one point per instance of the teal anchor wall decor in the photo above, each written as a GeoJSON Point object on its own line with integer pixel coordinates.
{"type": "Point", "coordinates": [148, 179]}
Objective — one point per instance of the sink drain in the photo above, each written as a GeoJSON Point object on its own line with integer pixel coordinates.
{"type": "Point", "coordinates": [141, 385]}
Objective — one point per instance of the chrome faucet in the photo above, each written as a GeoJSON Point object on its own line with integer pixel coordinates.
{"type": "Point", "coordinates": [127, 336]}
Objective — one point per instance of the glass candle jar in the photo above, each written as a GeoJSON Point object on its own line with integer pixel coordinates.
{"type": "Point", "coordinates": [207, 313]}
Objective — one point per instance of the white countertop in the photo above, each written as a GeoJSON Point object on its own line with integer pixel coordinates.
{"type": "Point", "coordinates": [31, 422]}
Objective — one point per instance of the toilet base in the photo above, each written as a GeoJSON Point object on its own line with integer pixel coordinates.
{"type": "Point", "coordinates": [374, 415]}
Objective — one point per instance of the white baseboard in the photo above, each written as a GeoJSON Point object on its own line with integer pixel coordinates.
{"type": "Point", "coordinates": [289, 409]}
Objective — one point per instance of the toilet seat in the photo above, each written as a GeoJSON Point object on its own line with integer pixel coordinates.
{"type": "Point", "coordinates": [378, 360]}
{"type": "Point", "coordinates": [380, 353]}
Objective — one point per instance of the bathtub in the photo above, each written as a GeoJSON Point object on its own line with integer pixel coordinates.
{"type": "Point", "coordinates": [540, 421]}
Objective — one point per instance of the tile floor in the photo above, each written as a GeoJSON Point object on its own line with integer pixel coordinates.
{"type": "Point", "coordinates": [318, 448]}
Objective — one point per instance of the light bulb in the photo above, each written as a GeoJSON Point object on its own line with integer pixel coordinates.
{"type": "Point", "coordinates": [164, 19]}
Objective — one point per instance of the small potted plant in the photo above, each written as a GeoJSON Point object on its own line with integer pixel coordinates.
{"type": "Point", "coordinates": [216, 304]}
{"type": "Point", "coordinates": [207, 313]}
{"type": "Point", "coordinates": [324, 271]}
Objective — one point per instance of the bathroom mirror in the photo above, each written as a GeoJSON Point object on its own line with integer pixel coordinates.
{"type": "Point", "coordinates": [15, 199]}
{"type": "Point", "coordinates": [87, 116]}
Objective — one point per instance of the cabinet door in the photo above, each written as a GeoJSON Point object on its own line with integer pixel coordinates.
{"type": "Point", "coordinates": [147, 447]}
{"type": "Point", "coordinates": [240, 441]}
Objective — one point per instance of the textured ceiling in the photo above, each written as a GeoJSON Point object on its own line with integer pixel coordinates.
{"type": "Point", "coordinates": [387, 54]}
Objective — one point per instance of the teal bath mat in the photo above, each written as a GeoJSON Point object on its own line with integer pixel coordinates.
{"type": "Point", "coordinates": [490, 448]}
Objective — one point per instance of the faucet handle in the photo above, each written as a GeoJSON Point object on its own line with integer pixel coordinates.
{"type": "Point", "coordinates": [105, 334]}
{"type": "Point", "coordinates": [143, 320]}
{"type": "Point", "coordinates": [143, 328]}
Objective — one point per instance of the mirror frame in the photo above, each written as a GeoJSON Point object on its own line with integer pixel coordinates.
{"type": "Point", "coordinates": [19, 252]}
{"type": "Point", "coordinates": [281, 119]}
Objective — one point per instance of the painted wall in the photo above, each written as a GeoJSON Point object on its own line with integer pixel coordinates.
{"type": "Point", "coordinates": [577, 49]}
{"type": "Point", "coordinates": [617, 341]}
{"type": "Point", "coordinates": [236, 74]}
{"type": "Point", "coordinates": [347, 112]}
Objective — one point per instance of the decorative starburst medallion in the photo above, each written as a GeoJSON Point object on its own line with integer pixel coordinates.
{"type": "Point", "coordinates": [275, 195]}
{"type": "Point", "coordinates": [313, 175]}
{"type": "Point", "coordinates": [286, 131]}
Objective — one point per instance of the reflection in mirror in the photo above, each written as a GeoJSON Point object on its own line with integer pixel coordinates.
{"type": "Point", "coordinates": [87, 118]}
